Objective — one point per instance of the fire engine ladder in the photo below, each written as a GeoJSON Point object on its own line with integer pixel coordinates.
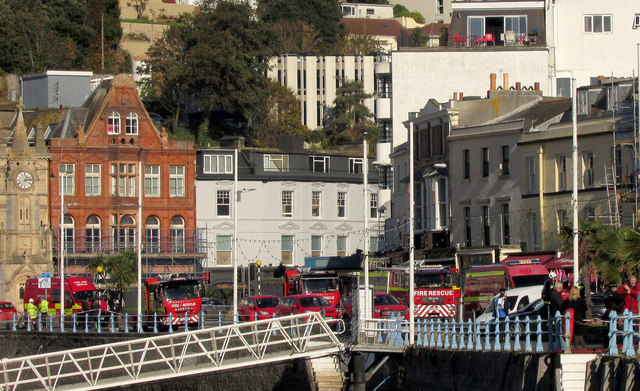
{"type": "Point", "coordinates": [168, 356]}
{"type": "Point", "coordinates": [612, 194]}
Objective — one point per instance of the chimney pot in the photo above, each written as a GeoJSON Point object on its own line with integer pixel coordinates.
{"type": "Point", "coordinates": [455, 96]}
{"type": "Point", "coordinates": [536, 86]}
{"type": "Point", "coordinates": [492, 77]}
{"type": "Point", "coordinates": [505, 81]}
{"type": "Point", "coordinates": [461, 96]}
{"type": "Point", "coordinates": [518, 86]}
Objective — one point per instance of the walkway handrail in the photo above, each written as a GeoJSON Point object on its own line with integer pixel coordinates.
{"type": "Point", "coordinates": [170, 355]}
{"type": "Point", "coordinates": [506, 334]}
{"type": "Point", "coordinates": [626, 326]}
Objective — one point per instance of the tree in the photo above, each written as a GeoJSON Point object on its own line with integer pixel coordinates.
{"type": "Point", "coordinates": [620, 257]}
{"type": "Point", "coordinates": [349, 117]}
{"type": "Point", "coordinates": [121, 269]}
{"type": "Point", "coordinates": [591, 238]}
{"type": "Point", "coordinates": [400, 10]}
{"type": "Point", "coordinates": [357, 44]}
{"type": "Point", "coordinates": [219, 61]}
{"type": "Point", "coordinates": [417, 40]}
{"type": "Point", "coordinates": [323, 15]}
{"type": "Point", "coordinates": [294, 37]}
{"type": "Point", "coordinates": [282, 117]}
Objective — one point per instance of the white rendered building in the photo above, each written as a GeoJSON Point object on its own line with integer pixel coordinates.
{"type": "Point", "coordinates": [291, 204]}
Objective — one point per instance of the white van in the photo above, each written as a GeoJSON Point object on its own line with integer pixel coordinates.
{"type": "Point", "coordinates": [518, 298]}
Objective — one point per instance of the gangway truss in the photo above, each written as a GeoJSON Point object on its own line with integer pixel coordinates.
{"type": "Point", "coordinates": [168, 356]}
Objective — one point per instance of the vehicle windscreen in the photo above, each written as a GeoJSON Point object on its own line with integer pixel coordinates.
{"type": "Point", "coordinates": [181, 292]}
{"type": "Point", "coordinates": [313, 302]}
{"type": "Point", "coordinates": [79, 297]}
{"type": "Point", "coordinates": [529, 280]}
{"type": "Point", "coordinates": [385, 300]}
{"type": "Point", "coordinates": [320, 285]}
{"type": "Point", "coordinates": [433, 280]}
{"type": "Point", "coordinates": [267, 302]}
{"type": "Point", "coordinates": [6, 306]}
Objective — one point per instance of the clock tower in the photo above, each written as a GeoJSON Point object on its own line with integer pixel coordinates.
{"type": "Point", "coordinates": [25, 234]}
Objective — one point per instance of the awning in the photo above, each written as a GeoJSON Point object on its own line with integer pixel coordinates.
{"type": "Point", "coordinates": [559, 263]}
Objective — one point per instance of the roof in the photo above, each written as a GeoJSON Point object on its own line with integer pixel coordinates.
{"type": "Point", "coordinates": [542, 111]}
{"type": "Point", "coordinates": [559, 263]}
{"type": "Point", "coordinates": [433, 29]}
{"type": "Point", "coordinates": [529, 257]}
{"type": "Point", "coordinates": [379, 27]}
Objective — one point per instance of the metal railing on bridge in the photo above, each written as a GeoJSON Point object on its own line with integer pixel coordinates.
{"type": "Point", "coordinates": [172, 355]}
{"type": "Point", "coordinates": [512, 335]}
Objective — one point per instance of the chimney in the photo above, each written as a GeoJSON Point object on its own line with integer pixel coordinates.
{"type": "Point", "coordinates": [493, 82]}
{"type": "Point", "coordinates": [518, 86]}
{"type": "Point", "coordinates": [461, 96]}
{"type": "Point", "coordinates": [455, 96]}
{"type": "Point", "coordinates": [505, 81]}
{"type": "Point", "coordinates": [536, 86]}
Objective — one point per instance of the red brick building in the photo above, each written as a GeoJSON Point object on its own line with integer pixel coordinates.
{"type": "Point", "coordinates": [98, 154]}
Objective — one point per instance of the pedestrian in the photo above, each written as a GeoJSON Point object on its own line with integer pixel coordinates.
{"type": "Point", "coordinates": [613, 301]}
{"type": "Point", "coordinates": [43, 307]}
{"type": "Point", "coordinates": [630, 292]}
{"type": "Point", "coordinates": [501, 305]}
{"type": "Point", "coordinates": [577, 308]}
{"type": "Point", "coordinates": [555, 299]}
{"type": "Point", "coordinates": [32, 312]}
{"type": "Point", "coordinates": [546, 291]}
{"type": "Point", "coordinates": [95, 313]}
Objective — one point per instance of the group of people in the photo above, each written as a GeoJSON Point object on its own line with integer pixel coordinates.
{"type": "Point", "coordinates": [616, 299]}
{"type": "Point", "coordinates": [42, 308]}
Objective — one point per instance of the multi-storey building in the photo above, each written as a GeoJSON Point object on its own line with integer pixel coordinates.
{"type": "Point", "coordinates": [113, 174]}
{"type": "Point", "coordinates": [25, 235]}
{"type": "Point", "coordinates": [291, 203]}
{"type": "Point", "coordinates": [315, 79]}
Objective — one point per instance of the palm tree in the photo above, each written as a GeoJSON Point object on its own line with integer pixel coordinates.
{"type": "Point", "coordinates": [621, 256]}
{"type": "Point", "coordinates": [591, 238]}
{"type": "Point", "coordinates": [122, 270]}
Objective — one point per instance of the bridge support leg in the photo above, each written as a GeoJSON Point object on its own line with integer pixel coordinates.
{"type": "Point", "coordinates": [358, 370]}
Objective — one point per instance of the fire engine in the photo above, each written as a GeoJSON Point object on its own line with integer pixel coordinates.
{"type": "Point", "coordinates": [76, 290]}
{"type": "Point", "coordinates": [170, 299]}
{"type": "Point", "coordinates": [436, 290]}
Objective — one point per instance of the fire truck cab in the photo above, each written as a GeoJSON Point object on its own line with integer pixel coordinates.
{"type": "Point", "coordinates": [436, 292]}
{"type": "Point", "coordinates": [170, 299]}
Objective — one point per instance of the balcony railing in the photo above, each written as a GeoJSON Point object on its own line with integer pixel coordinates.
{"type": "Point", "coordinates": [156, 242]}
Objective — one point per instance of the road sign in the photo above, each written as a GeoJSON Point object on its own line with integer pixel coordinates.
{"type": "Point", "coordinates": [45, 275]}
{"type": "Point", "coordinates": [44, 282]}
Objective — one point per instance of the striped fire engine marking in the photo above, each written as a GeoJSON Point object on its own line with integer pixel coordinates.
{"type": "Point", "coordinates": [435, 311]}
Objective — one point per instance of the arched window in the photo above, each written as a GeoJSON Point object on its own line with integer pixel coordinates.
{"type": "Point", "coordinates": [124, 232]}
{"type": "Point", "coordinates": [113, 123]}
{"type": "Point", "coordinates": [131, 123]}
{"type": "Point", "coordinates": [92, 232]}
{"type": "Point", "coordinates": [68, 230]}
{"type": "Point", "coordinates": [177, 235]}
{"type": "Point", "coordinates": [152, 235]}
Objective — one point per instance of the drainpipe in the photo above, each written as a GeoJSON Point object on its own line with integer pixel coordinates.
{"type": "Point", "coordinates": [541, 196]}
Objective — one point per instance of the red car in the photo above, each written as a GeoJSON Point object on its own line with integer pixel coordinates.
{"type": "Point", "coordinates": [384, 305]}
{"type": "Point", "coordinates": [7, 310]}
{"type": "Point", "coordinates": [263, 306]}
{"type": "Point", "coordinates": [299, 304]}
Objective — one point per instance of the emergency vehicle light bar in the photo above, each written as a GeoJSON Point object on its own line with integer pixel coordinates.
{"type": "Point", "coordinates": [523, 262]}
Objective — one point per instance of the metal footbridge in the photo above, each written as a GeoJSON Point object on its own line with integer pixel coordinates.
{"type": "Point", "coordinates": [173, 355]}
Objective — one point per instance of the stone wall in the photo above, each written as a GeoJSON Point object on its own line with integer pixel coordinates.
{"type": "Point", "coordinates": [439, 369]}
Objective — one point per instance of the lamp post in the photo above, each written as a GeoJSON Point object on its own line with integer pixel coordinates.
{"type": "Point", "coordinates": [574, 200]}
{"type": "Point", "coordinates": [62, 179]}
{"type": "Point", "coordinates": [411, 237]}
{"type": "Point", "coordinates": [258, 265]}
{"type": "Point", "coordinates": [234, 242]}
{"type": "Point", "coordinates": [365, 164]}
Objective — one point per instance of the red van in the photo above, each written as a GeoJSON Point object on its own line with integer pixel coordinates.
{"type": "Point", "coordinates": [76, 290]}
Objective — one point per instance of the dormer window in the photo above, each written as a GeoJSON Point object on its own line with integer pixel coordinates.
{"type": "Point", "coordinates": [113, 123]}
{"type": "Point", "coordinates": [131, 124]}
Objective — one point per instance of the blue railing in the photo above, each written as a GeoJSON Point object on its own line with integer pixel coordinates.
{"type": "Point", "coordinates": [626, 328]}
{"type": "Point", "coordinates": [512, 335]}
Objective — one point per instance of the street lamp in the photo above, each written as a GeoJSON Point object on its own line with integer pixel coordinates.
{"type": "Point", "coordinates": [258, 264]}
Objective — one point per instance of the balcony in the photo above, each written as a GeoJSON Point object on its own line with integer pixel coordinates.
{"type": "Point", "coordinates": [383, 108]}
{"type": "Point", "coordinates": [156, 243]}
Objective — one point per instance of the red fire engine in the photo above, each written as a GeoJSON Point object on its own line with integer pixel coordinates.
{"type": "Point", "coordinates": [170, 299]}
{"type": "Point", "coordinates": [436, 290]}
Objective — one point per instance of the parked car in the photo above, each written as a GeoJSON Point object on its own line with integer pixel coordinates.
{"type": "Point", "coordinates": [7, 311]}
{"type": "Point", "coordinates": [261, 306]}
{"type": "Point", "coordinates": [518, 299]}
{"type": "Point", "coordinates": [299, 304]}
{"type": "Point", "coordinates": [212, 306]}
{"type": "Point", "coordinates": [385, 305]}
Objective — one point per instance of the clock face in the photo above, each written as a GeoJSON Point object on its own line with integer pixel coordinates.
{"type": "Point", "coordinates": [24, 180]}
